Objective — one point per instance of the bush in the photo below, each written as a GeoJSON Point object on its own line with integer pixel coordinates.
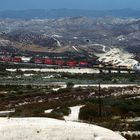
{"type": "Point", "coordinates": [29, 87]}
{"type": "Point", "coordinates": [70, 85]}
{"type": "Point", "coordinates": [91, 112]}
{"type": "Point", "coordinates": [54, 115]}
{"type": "Point", "coordinates": [88, 112]}
{"type": "Point", "coordinates": [137, 126]}
{"type": "Point", "coordinates": [65, 111]}
{"type": "Point", "coordinates": [58, 113]}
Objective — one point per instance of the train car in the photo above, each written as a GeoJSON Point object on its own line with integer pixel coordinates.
{"type": "Point", "coordinates": [1, 59]}
{"type": "Point", "coordinates": [5, 59]}
{"type": "Point", "coordinates": [83, 64]}
{"type": "Point", "coordinates": [59, 62]}
{"type": "Point", "coordinates": [38, 61]}
{"type": "Point", "coordinates": [48, 61]}
{"type": "Point", "coordinates": [16, 59]}
{"type": "Point", "coordinates": [71, 63]}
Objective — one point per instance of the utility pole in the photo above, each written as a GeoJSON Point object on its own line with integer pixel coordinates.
{"type": "Point", "coordinates": [99, 101]}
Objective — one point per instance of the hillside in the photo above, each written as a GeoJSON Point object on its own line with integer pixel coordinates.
{"type": "Point", "coordinates": [77, 34]}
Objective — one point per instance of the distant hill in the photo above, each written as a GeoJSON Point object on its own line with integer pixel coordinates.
{"type": "Point", "coordinates": [61, 13]}
{"type": "Point", "coordinates": [80, 35]}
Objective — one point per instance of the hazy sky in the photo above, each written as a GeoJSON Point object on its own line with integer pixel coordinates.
{"type": "Point", "coordinates": [71, 4]}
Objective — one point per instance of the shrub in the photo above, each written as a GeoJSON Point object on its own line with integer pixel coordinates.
{"type": "Point", "coordinates": [65, 111]}
{"type": "Point", "coordinates": [88, 112]}
{"type": "Point", "coordinates": [29, 87]}
{"type": "Point", "coordinates": [70, 85]}
{"type": "Point", "coordinates": [137, 126]}
{"type": "Point", "coordinates": [55, 115]}
{"type": "Point", "coordinates": [128, 137]}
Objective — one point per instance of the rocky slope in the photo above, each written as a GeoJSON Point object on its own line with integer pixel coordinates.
{"type": "Point", "coordinates": [118, 57]}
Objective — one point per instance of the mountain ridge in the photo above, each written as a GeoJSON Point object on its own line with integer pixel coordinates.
{"type": "Point", "coordinates": [61, 13]}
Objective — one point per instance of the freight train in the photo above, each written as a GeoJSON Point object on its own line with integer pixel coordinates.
{"type": "Point", "coordinates": [60, 62]}
{"type": "Point", "coordinates": [66, 63]}
{"type": "Point", "coordinates": [47, 61]}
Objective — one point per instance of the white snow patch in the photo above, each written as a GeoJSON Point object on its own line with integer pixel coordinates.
{"type": "Point", "coordinates": [121, 38]}
{"type": "Point", "coordinates": [74, 114]}
{"type": "Point", "coordinates": [96, 85]}
{"type": "Point", "coordinates": [11, 70]}
{"type": "Point", "coordinates": [18, 76]}
{"type": "Point", "coordinates": [75, 48]}
{"type": "Point", "coordinates": [106, 85]}
{"type": "Point", "coordinates": [57, 36]}
{"type": "Point", "coordinates": [58, 42]}
{"type": "Point", "coordinates": [28, 75]}
{"type": "Point", "coordinates": [51, 129]}
{"type": "Point", "coordinates": [75, 37]}
{"type": "Point", "coordinates": [70, 70]}
{"type": "Point", "coordinates": [61, 87]}
{"type": "Point", "coordinates": [48, 111]}
{"type": "Point", "coordinates": [48, 77]}
{"type": "Point", "coordinates": [103, 46]}
{"type": "Point", "coordinates": [3, 113]}
{"type": "Point", "coordinates": [9, 77]}
{"type": "Point", "coordinates": [133, 119]}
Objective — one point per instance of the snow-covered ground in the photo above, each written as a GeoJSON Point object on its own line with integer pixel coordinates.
{"type": "Point", "coordinates": [11, 70]}
{"type": "Point", "coordinates": [73, 116]}
{"type": "Point", "coordinates": [96, 85]}
{"type": "Point", "coordinates": [136, 119]}
{"type": "Point", "coordinates": [62, 86]}
{"type": "Point", "coordinates": [48, 111]}
{"type": "Point", "coordinates": [58, 42]}
{"type": "Point", "coordinates": [51, 129]}
{"type": "Point", "coordinates": [118, 57]}
{"type": "Point", "coordinates": [57, 36]}
{"type": "Point", "coordinates": [75, 48]}
{"type": "Point", "coordinates": [28, 75]}
{"type": "Point", "coordinates": [101, 45]}
{"type": "Point", "coordinates": [71, 70]}
{"type": "Point", "coordinates": [107, 85]}
{"type": "Point", "coordinates": [3, 113]}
